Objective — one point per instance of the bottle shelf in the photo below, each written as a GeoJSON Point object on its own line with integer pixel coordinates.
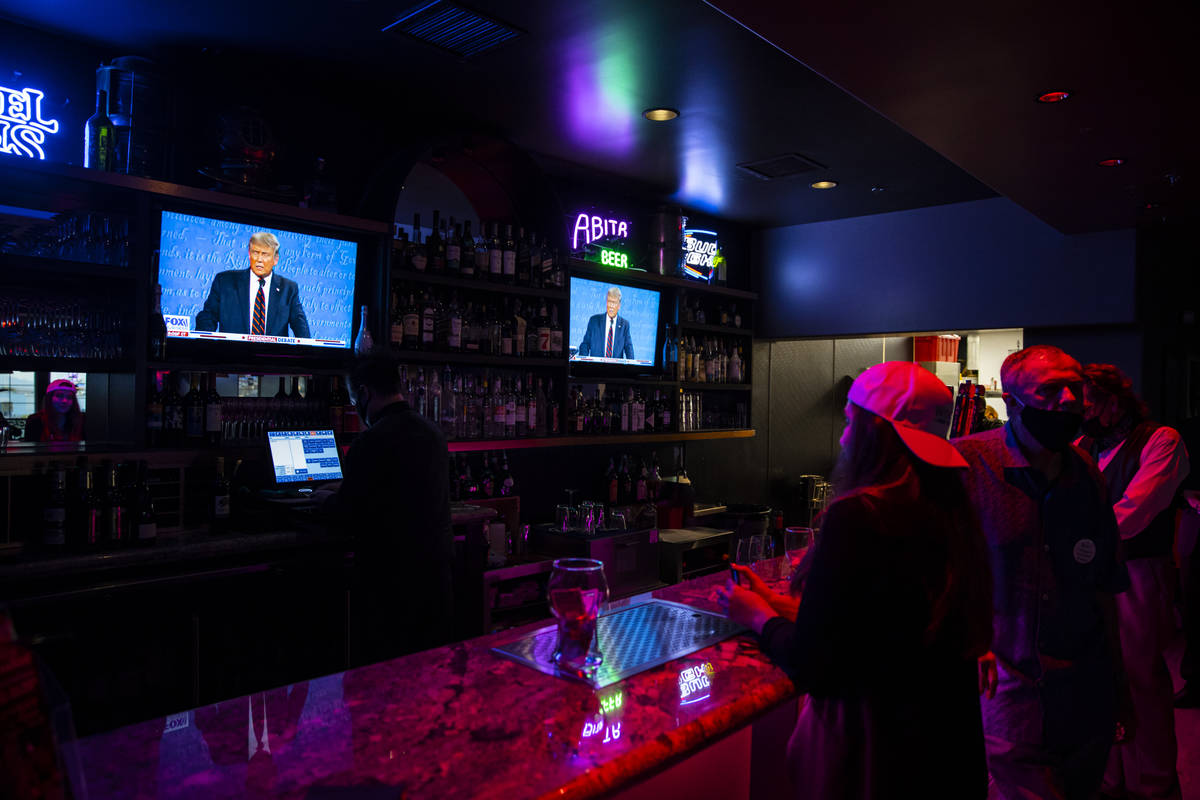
{"type": "Point", "coordinates": [719, 330]}
{"type": "Point", "coordinates": [478, 359]}
{"type": "Point", "coordinates": [571, 440]}
{"type": "Point", "coordinates": [715, 387]}
{"type": "Point", "coordinates": [473, 284]}
{"type": "Point", "coordinates": [15, 265]}
{"type": "Point", "coordinates": [587, 269]}
{"type": "Point", "coordinates": [284, 366]}
{"type": "Point", "coordinates": [62, 364]}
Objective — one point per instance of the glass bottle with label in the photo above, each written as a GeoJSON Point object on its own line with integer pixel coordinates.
{"type": "Point", "coordinates": [556, 334]}
{"type": "Point", "coordinates": [466, 257]}
{"type": "Point", "coordinates": [454, 249]}
{"type": "Point", "coordinates": [508, 255]}
{"type": "Point", "coordinates": [482, 255]}
{"type": "Point", "coordinates": [495, 255]}
{"type": "Point", "coordinates": [411, 324]}
{"type": "Point", "coordinates": [219, 519]}
{"type": "Point", "coordinates": [543, 331]}
{"type": "Point", "coordinates": [99, 137]}
{"type": "Point", "coordinates": [54, 512]}
{"type": "Point", "coordinates": [116, 510]}
{"type": "Point", "coordinates": [435, 247]}
{"type": "Point", "coordinates": [416, 250]}
{"type": "Point", "coordinates": [454, 337]}
{"type": "Point", "coordinates": [428, 321]}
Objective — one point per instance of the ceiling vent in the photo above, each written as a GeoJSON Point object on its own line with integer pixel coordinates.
{"type": "Point", "coordinates": [453, 28]}
{"type": "Point", "coordinates": [782, 166]}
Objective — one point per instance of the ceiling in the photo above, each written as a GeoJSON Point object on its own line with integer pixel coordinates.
{"type": "Point", "coordinates": [931, 109]}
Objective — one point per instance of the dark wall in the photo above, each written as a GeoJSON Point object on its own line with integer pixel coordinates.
{"type": "Point", "coordinates": [966, 266]}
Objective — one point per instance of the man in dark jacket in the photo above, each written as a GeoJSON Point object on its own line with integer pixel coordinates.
{"type": "Point", "coordinates": [395, 501]}
{"type": "Point", "coordinates": [255, 300]}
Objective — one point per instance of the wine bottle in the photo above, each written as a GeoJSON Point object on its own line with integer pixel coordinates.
{"type": "Point", "coordinates": [454, 250]}
{"type": "Point", "coordinates": [495, 255]}
{"type": "Point", "coordinates": [99, 135]}
{"type": "Point", "coordinates": [466, 256]}
{"type": "Point", "coordinates": [92, 509]}
{"type": "Point", "coordinates": [435, 247]}
{"type": "Point", "coordinates": [115, 511]}
{"type": "Point", "coordinates": [363, 343]}
{"type": "Point", "coordinates": [54, 512]}
{"type": "Point", "coordinates": [416, 250]}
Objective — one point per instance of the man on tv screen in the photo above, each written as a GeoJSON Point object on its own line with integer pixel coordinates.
{"type": "Point", "coordinates": [255, 300]}
{"type": "Point", "coordinates": [608, 336]}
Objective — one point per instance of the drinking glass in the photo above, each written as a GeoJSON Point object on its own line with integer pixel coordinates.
{"type": "Point", "coordinates": [795, 540]}
{"type": "Point", "coordinates": [577, 590]}
{"type": "Point", "coordinates": [566, 517]}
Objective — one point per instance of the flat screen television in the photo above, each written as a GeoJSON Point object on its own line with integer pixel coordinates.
{"type": "Point", "coordinates": [613, 323]}
{"type": "Point", "coordinates": [209, 268]}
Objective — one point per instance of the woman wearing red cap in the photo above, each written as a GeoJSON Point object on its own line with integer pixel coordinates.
{"type": "Point", "coordinates": [60, 419]}
{"type": "Point", "coordinates": [895, 609]}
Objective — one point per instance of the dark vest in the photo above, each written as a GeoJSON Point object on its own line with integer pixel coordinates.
{"type": "Point", "coordinates": [1159, 536]}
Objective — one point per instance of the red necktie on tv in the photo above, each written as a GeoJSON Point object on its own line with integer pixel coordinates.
{"type": "Point", "coordinates": [259, 327]}
{"type": "Point", "coordinates": [608, 340]}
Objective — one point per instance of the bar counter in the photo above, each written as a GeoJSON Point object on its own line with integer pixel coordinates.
{"type": "Point", "coordinates": [456, 721]}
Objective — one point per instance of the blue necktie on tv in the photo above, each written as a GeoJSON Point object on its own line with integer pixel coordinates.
{"type": "Point", "coordinates": [608, 339]}
{"type": "Point", "coordinates": [260, 311]}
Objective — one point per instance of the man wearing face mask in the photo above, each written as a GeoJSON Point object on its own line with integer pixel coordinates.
{"type": "Point", "coordinates": [395, 500]}
{"type": "Point", "coordinates": [1054, 685]}
{"type": "Point", "coordinates": [1144, 464]}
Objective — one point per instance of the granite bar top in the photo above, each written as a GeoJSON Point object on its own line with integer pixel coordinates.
{"type": "Point", "coordinates": [456, 721]}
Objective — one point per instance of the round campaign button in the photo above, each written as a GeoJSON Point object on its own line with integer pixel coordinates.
{"type": "Point", "coordinates": [1085, 551]}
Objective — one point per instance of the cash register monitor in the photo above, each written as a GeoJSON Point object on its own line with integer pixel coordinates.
{"type": "Point", "coordinates": [304, 459]}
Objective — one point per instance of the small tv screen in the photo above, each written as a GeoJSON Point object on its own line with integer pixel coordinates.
{"type": "Point", "coordinates": [210, 271]}
{"type": "Point", "coordinates": [612, 323]}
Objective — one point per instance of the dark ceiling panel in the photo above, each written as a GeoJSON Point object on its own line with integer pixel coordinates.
{"type": "Point", "coordinates": [572, 88]}
{"type": "Point", "coordinates": [964, 77]}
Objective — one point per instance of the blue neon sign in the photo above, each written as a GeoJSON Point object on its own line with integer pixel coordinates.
{"type": "Point", "coordinates": [23, 129]}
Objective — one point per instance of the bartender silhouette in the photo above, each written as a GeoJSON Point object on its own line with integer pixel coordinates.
{"type": "Point", "coordinates": [255, 300]}
{"type": "Point", "coordinates": [608, 335]}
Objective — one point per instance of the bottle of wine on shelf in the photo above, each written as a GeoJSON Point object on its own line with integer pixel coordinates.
{"type": "Point", "coordinates": [416, 250]}
{"type": "Point", "coordinates": [466, 257]}
{"type": "Point", "coordinates": [91, 510]}
{"type": "Point", "coordinates": [99, 135]}
{"type": "Point", "coordinates": [115, 510]}
{"type": "Point", "coordinates": [435, 247]}
{"type": "Point", "coordinates": [454, 250]}
{"type": "Point", "coordinates": [495, 255]}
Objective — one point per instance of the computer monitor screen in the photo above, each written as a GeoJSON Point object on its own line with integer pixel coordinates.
{"type": "Point", "coordinates": [304, 456]}
{"type": "Point", "coordinates": [612, 323]}
{"type": "Point", "coordinates": [209, 270]}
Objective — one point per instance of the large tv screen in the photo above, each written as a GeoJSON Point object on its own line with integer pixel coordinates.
{"type": "Point", "coordinates": [612, 323]}
{"type": "Point", "coordinates": [210, 271]}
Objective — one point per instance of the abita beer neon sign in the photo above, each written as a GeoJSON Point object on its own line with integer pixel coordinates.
{"type": "Point", "coordinates": [592, 228]}
{"type": "Point", "coordinates": [23, 129]}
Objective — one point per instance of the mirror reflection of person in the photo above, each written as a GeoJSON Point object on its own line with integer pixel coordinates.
{"type": "Point", "coordinates": [60, 419]}
{"type": "Point", "coordinates": [255, 300]}
{"type": "Point", "coordinates": [608, 335]}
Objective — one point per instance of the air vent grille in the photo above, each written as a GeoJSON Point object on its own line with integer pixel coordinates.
{"type": "Point", "coordinates": [453, 28]}
{"type": "Point", "coordinates": [781, 166]}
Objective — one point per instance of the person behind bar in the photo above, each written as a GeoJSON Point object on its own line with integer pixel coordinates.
{"type": "Point", "coordinates": [395, 500]}
{"type": "Point", "coordinates": [60, 419]}
{"type": "Point", "coordinates": [1054, 682]}
{"type": "Point", "coordinates": [255, 300]}
{"type": "Point", "coordinates": [1144, 464]}
{"type": "Point", "coordinates": [607, 334]}
{"type": "Point", "coordinates": [895, 609]}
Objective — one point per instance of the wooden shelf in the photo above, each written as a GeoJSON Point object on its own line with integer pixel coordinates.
{"type": "Point", "coordinates": [479, 360]}
{"type": "Point", "coordinates": [720, 330]}
{"type": "Point", "coordinates": [56, 364]}
{"type": "Point", "coordinates": [586, 269]}
{"type": "Point", "coordinates": [474, 446]}
{"type": "Point", "coordinates": [282, 365]}
{"type": "Point", "coordinates": [653, 383]}
{"type": "Point", "coordinates": [472, 284]}
{"type": "Point", "coordinates": [15, 265]}
{"type": "Point", "coordinates": [715, 387]}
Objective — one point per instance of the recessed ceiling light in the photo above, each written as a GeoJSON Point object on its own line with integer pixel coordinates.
{"type": "Point", "coordinates": [1053, 97]}
{"type": "Point", "coordinates": [660, 114]}
{"type": "Point", "coordinates": [878, 188]}
{"type": "Point", "coordinates": [823, 184]}
{"type": "Point", "coordinates": [1112, 162]}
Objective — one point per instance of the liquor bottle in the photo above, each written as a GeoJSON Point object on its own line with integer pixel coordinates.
{"type": "Point", "coordinates": [338, 400]}
{"type": "Point", "coordinates": [625, 409]}
{"type": "Point", "coordinates": [553, 411]}
{"type": "Point", "coordinates": [214, 421]}
{"type": "Point", "coordinates": [612, 482]}
{"type": "Point", "coordinates": [499, 410]}
{"type": "Point", "coordinates": [735, 366]}
{"type": "Point", "coordinates": [519, 325]}
{"type": "Point", "coordinates": [397, 321]}
{"type": "Point", "coordinates": [411, 324]}
{"type": "Point", "coordinates": [428, 321]}
{"type": "Point", "coordinates": [115, 517]}
{"type": "Point", "coordinates": [435, 247]}
{"type": "Point", "coordinates": [522, 257]}
{"type": "Point", "coordinates": [420, 401]}
{"type": "Point", "coordinates": [534, 257]}
{"type": "Point", "coordinates": [519, 397]}
{"type": "Point", "coordinates": [482, 255]}
{"type": "Point", "coordinates": [454, 250]}
{"type": "Point", "coordinates": [532, 406]}
{"type": "Point", "coordinates": [454, 335]}
{"type": "Point", "coordinates": [531, 333]}
{"type": "Point", "coordinates": [543, 331]}
{"type": "Point", "coordinates": [172, 411]}
{"type": "Point", "coordinates": [654, 480]}
{"type": "Point", "coordinates": [507, 346]}
{"type": "Point", "coordinates": [495, 255]}
{"type": "Point", "coordinates": [219, 509]}
{"type": "Point", "coordinates": [508, 255]}
{"type": "Point", "coordinates": [495, 332]}
{"type": "Point", "coordinates": [147, 522]}
{"type": "Point", "coordinates": [99, 137]}
{"type": "Point", "coordinates": [641, 488]}
{"type": "Point", "coordinates": [510, 412]}
{"type": "Point", "coordinates": [193, 411]}
{"type": "Point", "coordinates": [91, 510]}
{"type": "Point", "coordinates": [508, 484]}
{"type": "Point", "coordinates": [626, 491]}
{"type": "Point", "coordinates": [363, 343]}
{"type": "Point", "coordinates": [556, 334]}
{"type": "Point", "coordinates": [466, 258]}
{"type": "Point", "coordinates": [154, 412]}
{"type": "Point", "coordinates": [681, 359]}
{"type": "Point", "coordinates": [448, 414]}
{"type": "Point", "coordinates": [157, 328]}
{"type": "Point", "coordinates": [400, 250]}
{"type": "Point", "coordinates": [54, 511]}
{"type": "Point", "coordinates": [416, 250]}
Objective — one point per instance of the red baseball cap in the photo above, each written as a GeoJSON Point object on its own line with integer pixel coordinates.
{"type": "Point", "coordinates": [918, 405]}
{"type": "Point", "coordinates": [62, 385]}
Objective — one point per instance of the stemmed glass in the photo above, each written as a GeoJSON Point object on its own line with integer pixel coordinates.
{"type": "Point", "coordinates": [577, 590]}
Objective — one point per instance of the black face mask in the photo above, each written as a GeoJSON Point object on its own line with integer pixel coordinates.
{"type": "Point", "coordinates": [1094, 429]}
{"type": "Point", "coordinates": [1054, 430]}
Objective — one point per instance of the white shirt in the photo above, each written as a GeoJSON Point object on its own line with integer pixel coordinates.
{"type": "Point", "coordinates": [266, 297]}
{"type": "Point", "coordinates": [1164, 465]}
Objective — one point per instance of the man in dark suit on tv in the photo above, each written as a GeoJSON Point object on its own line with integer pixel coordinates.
{"type": "Point", "coordinates": [255, 300]}
{"type": "Point", "coordinates": [608, 336]}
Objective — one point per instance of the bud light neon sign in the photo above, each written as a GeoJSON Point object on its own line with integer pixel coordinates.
{"type": "Point", "coordinates": [700, 254]}
{"type": "Point", "coordinates": [23, 129]}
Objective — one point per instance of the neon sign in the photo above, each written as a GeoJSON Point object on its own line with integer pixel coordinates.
{"type": "Point", "coordinates": [593, 227]}
{"type": "Point", "coordinates": [695, 683]}
{"type": "Point", "coordinates": [23, 129]}
{"type": "Point", "coordinates": [700, 253]}
{"type": "Point", "coordinates": [611, 258]}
